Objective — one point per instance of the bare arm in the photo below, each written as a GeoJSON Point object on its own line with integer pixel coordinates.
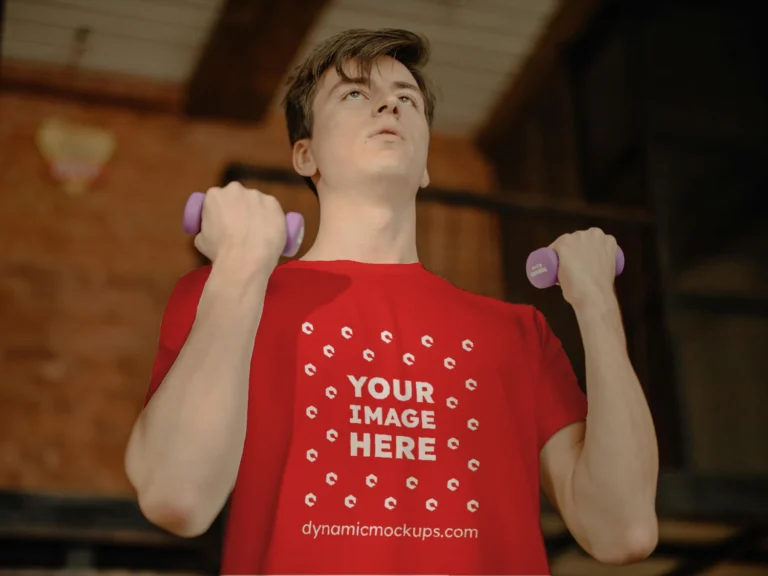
{"type": "Point", "coordinates": [184, 452]}
{"type": "Point", "coordinates": [603, 477]}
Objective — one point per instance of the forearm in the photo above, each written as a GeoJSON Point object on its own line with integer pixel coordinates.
{"type": "Point", "coordinates": [185, 450]}
{"type": "Point", "coordinates": [616, 474]}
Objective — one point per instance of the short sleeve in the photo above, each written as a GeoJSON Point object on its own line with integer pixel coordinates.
{"type": "Point", "coordinates": [176, 324]}
{"type": "Point", "coordinates": [559, 399]}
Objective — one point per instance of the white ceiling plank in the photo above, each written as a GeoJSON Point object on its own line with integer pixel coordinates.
{"type": "Point", "coordinates": [22, 32]}
{"type": "Point", "coordinates": [442, 53]}
{"type": "Point", "coordinates": [139, 45]}
{"type": "Point", "coordinates": [177, 13]}
{"type": "Point", "coordinates": [35, 51]}
{"type": "Point", "coordinates": [477, 46]}
{"type": "Point", "coordinates": [531, 6]}
{"type": "Point", "coordinates": [469, 72]}
{"type": "Point", "coordinates": [458, 66]}
{"type": "Point", "coordinates": [467, 38]}
{"type": "Point", "coordinates": [104, 53]}
{"type": "Point", "coordinates": [63, 37]}
{"type": "Point", "coordinates": [71, 18]}
{"type": "Point", "coordinates": [461, 109]}
{"type": "Point", "coordinates": [450, 77]}
{"type": "Point", "coordinates": [140, 60]}
{"type": "Point", "coordinates": [511, 21]}
{"type": "Point", "coordinates": [205, 4]}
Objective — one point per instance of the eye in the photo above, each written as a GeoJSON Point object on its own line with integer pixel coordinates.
{"type": "Point", "coordinates": [353, 94]}
{"type": "Point", "coordinates": [406, 98]}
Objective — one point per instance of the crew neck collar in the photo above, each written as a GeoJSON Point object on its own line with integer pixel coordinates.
{"type": "Point", "coordinates": [353, 266]}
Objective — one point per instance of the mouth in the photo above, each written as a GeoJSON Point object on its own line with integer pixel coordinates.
{"type": "Point", "coordinates": [388, 131]}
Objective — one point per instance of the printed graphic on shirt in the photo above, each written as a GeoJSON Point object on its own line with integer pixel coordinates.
{"type": "Point", "coordinates": [418, 435]}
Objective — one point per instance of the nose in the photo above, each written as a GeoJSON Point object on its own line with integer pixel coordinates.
{"type": "Point", "coordinates": [389, 105]}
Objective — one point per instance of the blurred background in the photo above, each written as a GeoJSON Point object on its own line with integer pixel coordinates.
{"type": "Point", "coordinates": [645, 118]}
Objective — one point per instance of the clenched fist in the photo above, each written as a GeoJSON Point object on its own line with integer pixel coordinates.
{"type": "Point", "coordinates": [242, 225]}
{"type": "Point", "coordinates": [587, 265]}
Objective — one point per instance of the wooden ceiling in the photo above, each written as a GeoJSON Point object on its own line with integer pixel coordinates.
{"type": "Point", "coordinates": [154, 39]}
{"type": "Point", "coordinates": [477, 46]}
{"type": "Point", "coordinates": [229, 58]}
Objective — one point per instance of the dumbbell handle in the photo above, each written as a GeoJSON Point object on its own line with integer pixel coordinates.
{"type": "Point", "coordinates": [294, 223]}
{"type": "Point", "coordinates": [542, 264]}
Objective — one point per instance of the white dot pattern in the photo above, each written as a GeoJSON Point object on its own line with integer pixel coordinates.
{"type": "Point", "coordinates": [452, 402]}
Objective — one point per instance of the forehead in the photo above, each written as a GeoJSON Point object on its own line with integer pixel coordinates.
{"type": "Point", "coordinates": [383, 71]}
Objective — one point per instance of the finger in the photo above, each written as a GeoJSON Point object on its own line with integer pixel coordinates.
{"type": "Point", "coordinates": [200, 243]}
{"type": "Point", "coordinates": [558, 242]}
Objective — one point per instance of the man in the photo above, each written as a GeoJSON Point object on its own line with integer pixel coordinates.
{"type": "Point", "coordinates": [366, 416]}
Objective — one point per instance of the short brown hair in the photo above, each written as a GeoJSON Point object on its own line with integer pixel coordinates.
{"type": "Point", "coordinates": [365, 46]}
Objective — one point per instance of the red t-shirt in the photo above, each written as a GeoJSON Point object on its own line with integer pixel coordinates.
{"type": "Point", "coordinates": [394, 424]}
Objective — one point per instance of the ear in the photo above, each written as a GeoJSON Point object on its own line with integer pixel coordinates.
{"type": "Point", "coordinates": [425, 179]}
{"type": "Point", "coordinates": [303, 160]}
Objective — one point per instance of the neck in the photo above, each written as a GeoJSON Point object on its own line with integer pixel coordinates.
{"type": "Point", "coordinates": [364, 231]}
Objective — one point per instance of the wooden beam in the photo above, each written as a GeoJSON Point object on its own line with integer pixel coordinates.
{"type": "Point", "coordinates": [569, 19]}
{"type": "Point", "coordinates": [100, 88]}
{"type": "Point", "coordinates": [247, 55]}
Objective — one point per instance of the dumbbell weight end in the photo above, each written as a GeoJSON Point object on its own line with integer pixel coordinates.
{"type": "Point", "coordinates": [294, 223]}
{"type": "Point", "coordinates": [541, 266]}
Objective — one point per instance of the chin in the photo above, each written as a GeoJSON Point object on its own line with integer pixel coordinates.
{"type": "Point", "coordinates": [390, 165]}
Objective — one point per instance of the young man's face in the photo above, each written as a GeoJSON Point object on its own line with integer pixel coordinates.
{"type": "Point", "coordinates": [365, 131]}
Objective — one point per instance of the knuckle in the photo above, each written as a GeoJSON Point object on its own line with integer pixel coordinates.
{"type": "Point", "coordinates": [272, 202]}
{"type": "Point", "coordinates": [559, 241]}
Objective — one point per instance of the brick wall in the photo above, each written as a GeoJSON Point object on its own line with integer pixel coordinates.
{"type": "Point", "coordinates": [83, 280]}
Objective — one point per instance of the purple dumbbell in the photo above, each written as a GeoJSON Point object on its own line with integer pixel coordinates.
{"type": "Point", "coordinates": [294, 223]}
{"type": "Point", "coordinates": [541, 266]}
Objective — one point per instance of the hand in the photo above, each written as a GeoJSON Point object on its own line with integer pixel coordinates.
{"type": "Point", "coordinates": [242, 224]}
{"type": "Point", "coordinates": [587, 266]}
